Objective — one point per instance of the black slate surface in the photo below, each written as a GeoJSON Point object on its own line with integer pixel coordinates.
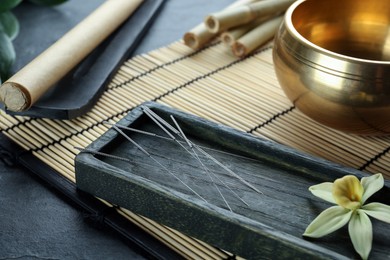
{"type": "Point", "coordinates": [47, 227]}
{"type": "Point", "coordinates": [273, 221]}
{"type": "Point", "coordinates": [75, 94]}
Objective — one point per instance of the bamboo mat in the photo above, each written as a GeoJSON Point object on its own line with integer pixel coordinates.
{"type": "Point", "coordinates": [211, 83]}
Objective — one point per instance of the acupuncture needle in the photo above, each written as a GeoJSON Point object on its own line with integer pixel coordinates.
{"type": "Point", "coordinates": [149, 134]}
{"type": "Point", "coordinates": [197, 157]}
{"type": "Point", "coordinates": [228, 170]}
{"type": "Point", "coordinates": [203, 152]}
{"type": "Point", "coordinates": [86, 150]}
{"type": "Point", "coordinates": [136, 130]}
{"type": "Point", "coordinates": [198, 147]}
{"type": "Point", "coordinates": [195, 154]}
{"type": "Point", "coordinates": [155, 117]}
{"type": "Point", "coordinates": [161, 120]}
{"type": "Point", "coordinates": [169, 139]}
{"type": "Point", "coordinates": [156, 161]}
{"type": "Point", "coordinates": [151, 116]}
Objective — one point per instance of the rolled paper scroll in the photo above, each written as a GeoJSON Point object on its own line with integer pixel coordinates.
{"type": "Point", "coordinates": [198, 36]}
{"type": "Point", "coordinates": [229, 18]}
{"type": "Point", "coordinates": [256, 37]}
{"type": "Point", "coordinates": [24, 88]}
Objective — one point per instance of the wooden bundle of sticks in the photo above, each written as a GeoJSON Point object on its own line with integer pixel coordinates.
{"type": "Point", "coordinates": [243, 26]}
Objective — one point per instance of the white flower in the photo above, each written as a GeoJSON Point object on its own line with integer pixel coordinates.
{"type": "Point", "coordinates": [349, 194]}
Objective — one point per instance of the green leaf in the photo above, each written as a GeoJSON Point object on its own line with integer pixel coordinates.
{"type": "Point", "coordinates": [7, 55]}
{"type": "Point", "coordinates": [48, 2]}
{"type": "Point", "coordinates": [360, 231]}
{"type": "Point", "coordinates": [9, 24]}
{"type": "Point", "coordinates": [8, 4]}
{"type": "Point", "coordinates": [328, 221]}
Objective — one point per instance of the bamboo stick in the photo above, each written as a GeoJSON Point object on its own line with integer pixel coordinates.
{"type": "Point", "coordinates": [18, 140]}
{"type": "Point", "coordinates": [229, 18]}
{"type": "Point", "coordinates": [198, 36]}
{"type": "Point", "coordinates": [69, 174]}
{"type": "Point", "coordinates": [256, 37]}
{"type": "Point", "coordinates": [230, 36]}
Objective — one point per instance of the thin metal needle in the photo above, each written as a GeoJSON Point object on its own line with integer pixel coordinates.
{"type": "Point", "coordinates": [86, 150]}
{"type": "Point", "coordinates": [151, 116]}
{"type": "Point", "coordinates": [165, 130]}
{"type": "Point", "coordinates": [170, 139]}
{"type": "Point", "coordinates": [181, 131]}
{"type": "Point", "coordinates": [228, 170]}
{"type": "Point", "coordinates": [196, 154]}
{"type": "Point", "coordinates": [157, 119]}
{"type": "Point", "coordinates": [161, 120]}
{"type": "Point", "coordinates": [205, 153]}
{"type": "Point", "coordinates": [208, 155]}
{"type": "Point", "coordinates": [197, 157]}
{"type": "Point", "coordinates": [137, 130]}
{"type": "Point", "coordinates": [156, 161]}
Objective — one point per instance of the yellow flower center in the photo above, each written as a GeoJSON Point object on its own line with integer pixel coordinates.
{"type": "Point", "coordinates": [347, 192]}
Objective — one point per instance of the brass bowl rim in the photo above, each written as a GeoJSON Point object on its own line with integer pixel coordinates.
{"type": "Point", "coordinates": [294, 33]}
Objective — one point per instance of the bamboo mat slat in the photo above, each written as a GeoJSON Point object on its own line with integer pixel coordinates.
{"type": "Point", "coordinates": [211, 83]}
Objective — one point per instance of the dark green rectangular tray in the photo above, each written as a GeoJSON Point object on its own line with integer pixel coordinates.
{"type": "Point", "coordinates": [270, 227]}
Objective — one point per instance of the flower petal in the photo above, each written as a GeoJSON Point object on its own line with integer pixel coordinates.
{"type": "Point", "coordinates": [328, 221]}
{"type": "Point", "coordinates": [348, 191]}
{"type": "Point", "coordinates": [378, 210]}
{"type": "Point", "coordinates": [323, 191]}
{"type": "Point", "coordinates": [360, 231]}
{"type": "Point", "coordinates": [371, 185]}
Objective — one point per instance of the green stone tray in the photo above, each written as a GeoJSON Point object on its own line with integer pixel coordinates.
{"type": "Point", "coordinates": [272, 223]}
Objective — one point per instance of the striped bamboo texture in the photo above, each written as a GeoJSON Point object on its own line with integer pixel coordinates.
{"type": "Point", "coordinates": [211, 83]}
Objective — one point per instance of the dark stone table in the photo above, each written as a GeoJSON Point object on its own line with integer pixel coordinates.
{"type": "Point", "coordinates": [35, 221]}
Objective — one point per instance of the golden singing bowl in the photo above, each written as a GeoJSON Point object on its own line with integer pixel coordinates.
{"type": "Point", "coordinates": [332, 59]}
